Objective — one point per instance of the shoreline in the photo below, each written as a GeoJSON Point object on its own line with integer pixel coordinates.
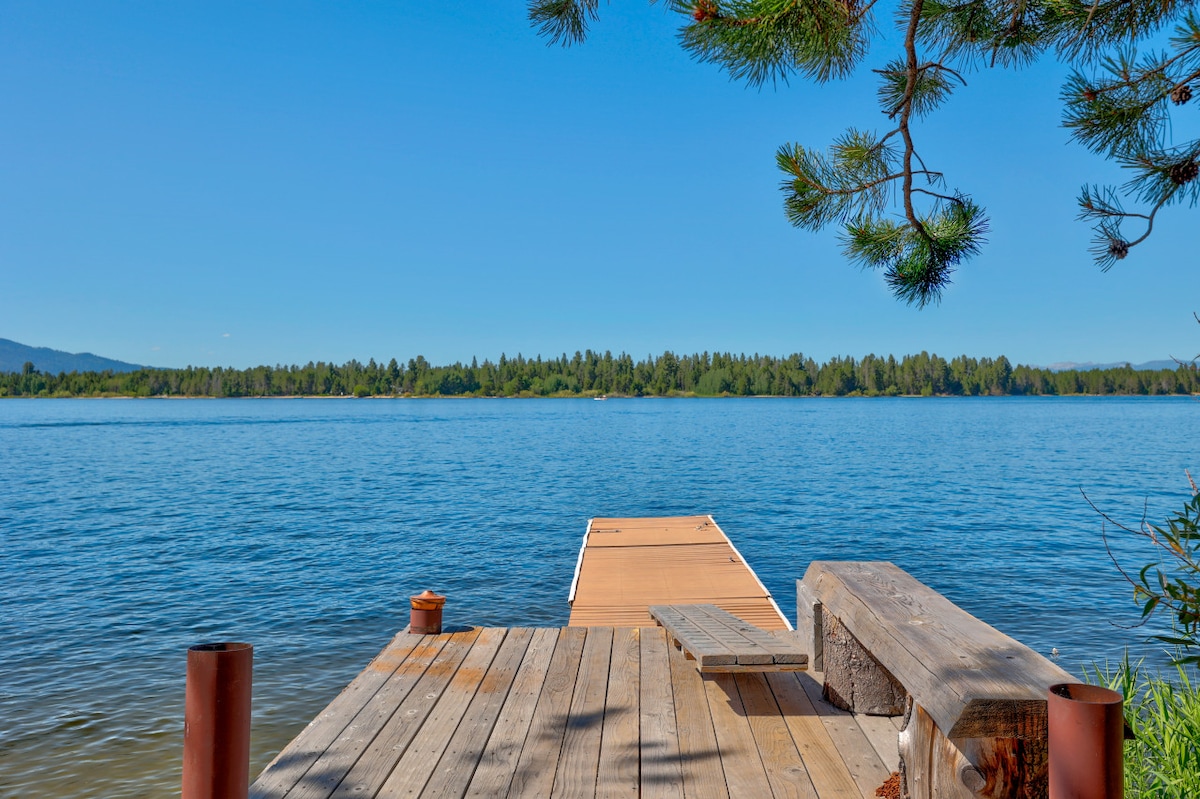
{"type": "Point", "coordinates": [594, 397]}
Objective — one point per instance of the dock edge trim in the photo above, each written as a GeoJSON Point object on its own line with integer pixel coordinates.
{"type": "Point", "coordinates": [749, 568]}
{"type": "Point", "coordinates": [579, 564]}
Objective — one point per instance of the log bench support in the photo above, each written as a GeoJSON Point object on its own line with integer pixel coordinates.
{"type": "Point", "coordinates": [720, 642]}
{"type": "Point", "coordinates": [974, 700]}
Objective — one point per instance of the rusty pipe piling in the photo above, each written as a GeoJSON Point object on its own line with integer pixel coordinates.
{"type": "Point", "coordinates": [216, 728]}
{"type": "Point", "coordinates": [1087, 736]}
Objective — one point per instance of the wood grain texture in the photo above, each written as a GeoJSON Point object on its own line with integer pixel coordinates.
{"type": "Point", "coordinates": [973, 680]}
{"type": "Point", "coordinates": [579, 762]}
{"type": "Point", "coordinates": [410, 773]}
{"type": "Point", "coordinates": [826, 768]}
{"type": "Point", "coordinates": [343, 752]}
{"type": "Point", "coordinates": [569, 712]}
{"type": "Point", "coordinates": [969, 768]}
{"type": "Point", "coordinates": [375, 763]}
{"type": "Point", "coordinates": [852, 744]}
{"type": "Point", "coordinates": [784, 766]}
{"type": "Point", "coordinates": [538, 762]}
{"type": "Point", "coordinates": [697, 641]}
{"type": "Point", "coordinates": [291, 764]}
{"type": "Point", "coordinates": [881, 731]}
{"type": "Point", "coordinates": [703, 775]}
{"type": "Point", "coordinates": [498, 760]}
{"type": "Point", "coordinates": [658, 745]}
{"type": "Point", "coordinates": [457, 763]}
{"type": "Point", "coordinates": [745, 775]}
{"type": "Point", "coordinates": [618, 772]}
{"type": "Point", "coordinates": [780, 649]}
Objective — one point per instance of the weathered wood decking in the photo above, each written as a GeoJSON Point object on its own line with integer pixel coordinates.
{"type": "Point", "coordinates": [626, 565]}
{"type": "Point", "coordinates": [575, 712]}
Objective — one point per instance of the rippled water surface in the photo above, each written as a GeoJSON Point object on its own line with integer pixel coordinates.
{"type": "Point", "coordinates": [133, 529]}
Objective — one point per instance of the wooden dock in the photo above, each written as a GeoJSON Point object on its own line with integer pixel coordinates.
{"type": "Point", "coordinates": [576, 712]}
{"type": "Point", "coordinates": [627, 565]}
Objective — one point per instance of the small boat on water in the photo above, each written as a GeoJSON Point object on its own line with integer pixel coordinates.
{"type": "Point", "coordinates": [600, 398]}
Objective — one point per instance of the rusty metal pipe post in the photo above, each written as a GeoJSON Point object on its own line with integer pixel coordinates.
{"type": "Point", "coordinates": [216, 728]}
{"type": "Point", "coordinates": [1087, 736]}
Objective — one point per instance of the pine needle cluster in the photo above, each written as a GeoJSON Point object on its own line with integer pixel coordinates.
{"type": "Point", "coordinates": [896, 213]}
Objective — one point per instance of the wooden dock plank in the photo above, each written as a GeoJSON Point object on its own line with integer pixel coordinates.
{"type": "Point", "coordinates": [661, 776]}
{"type": "Point", "coordinates": [884, 737]}
{"type": "Point", "coordinates": [368, 771]}
{"type": "Point", "coordinates": [618, 773]}
{"type": "Point", "coordinates": [457, 764]}
{"type": "Point", "coordinates": [538, 763]}
{"type": "Point", "coordinates": [332, 765]}
{"type": "Point", "coordinates": [703, 776]}
{"type": "Point", "coordinates": [608, 523]}
{"type": "Point", "coordinates": [828, 771]}
{"type": "Point", "coordinates": [579, 712]}
{"type": "Point", "coordinates": [420, 758]}
{"type": "Point", "coordinates": [498, 760]}
{"type": "Point", "coordinates": [856, 751]}
{"type": "Point", "coordinates": [745, 776]}
{"type": "Point", "coordinates": [654, 532]}
{"type": "Point", "coordinates": [785, 768]}
{"type": "Point", "coordinates": [782, 650]}
{"type": "Point", "coordinates": [627, 565]}
{"type": "Point", "coordinates": [749, 609]}
{"type": "Point", "coordinates": [579, 762]}
{"type": "Point", "coordinates": [697, 642]}
{"type": "Point", "coordinates": [291, 764]}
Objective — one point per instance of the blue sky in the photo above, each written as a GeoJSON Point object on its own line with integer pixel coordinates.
{"type": "Point", "coordinates": [278, 182]}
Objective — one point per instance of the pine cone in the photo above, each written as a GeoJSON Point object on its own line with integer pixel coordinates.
{"type": "Point", "coordinates": [1118, 249]}
{"type": "Point", "coordinates": [1181, 94]}
{"type": "Point", "coordinates": [705, 11]}
{"type": "Point", "coordinates": [1184, 172]}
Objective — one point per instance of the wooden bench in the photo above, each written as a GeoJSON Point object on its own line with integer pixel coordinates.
{"type": "Point", "coordinates": [721, 642]}
{"type": "Point", "coordinates": [974, 699]}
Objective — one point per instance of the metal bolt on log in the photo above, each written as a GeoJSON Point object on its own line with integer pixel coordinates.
{"type": "Point", "coordinates": [216, 728]}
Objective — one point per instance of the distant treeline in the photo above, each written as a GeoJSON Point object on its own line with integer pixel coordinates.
{"type": "Point", "coordinates": [590, 373]}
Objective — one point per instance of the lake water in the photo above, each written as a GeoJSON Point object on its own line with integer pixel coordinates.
{"type": "Point", "coordinates": [133, 529]}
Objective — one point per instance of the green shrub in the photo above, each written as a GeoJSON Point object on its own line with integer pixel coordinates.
{"type": "Point", "coordinates": [1163, 760]}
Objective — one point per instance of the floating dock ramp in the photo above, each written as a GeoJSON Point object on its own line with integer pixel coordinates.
{"type": "Point", "coordinates": [627, 565]}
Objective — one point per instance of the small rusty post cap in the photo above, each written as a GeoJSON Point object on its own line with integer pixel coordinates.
{"type": "Point", "coordinates": [427, 600]}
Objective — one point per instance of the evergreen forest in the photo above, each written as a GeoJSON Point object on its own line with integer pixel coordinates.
{"type": "Point", "coordinates": [590, 374]}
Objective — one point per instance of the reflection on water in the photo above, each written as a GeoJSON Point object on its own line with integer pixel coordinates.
{"type": "Point", "coordinates": [135, 529]}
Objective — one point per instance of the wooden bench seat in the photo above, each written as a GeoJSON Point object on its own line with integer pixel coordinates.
{"type": "Point", "coordinates": [721, 642]}
{"type": "Point", "coordinates": [974, 698]}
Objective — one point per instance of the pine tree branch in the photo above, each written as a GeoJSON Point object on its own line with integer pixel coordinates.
{"type": "Point", "coordinates": [861, 187]}
{"type": "Point", "coordinates": [910, 49]}
{"type": "Point", "coordinates": [1161, 69]}
{"type": "Point", "coordinates": [948, 197]}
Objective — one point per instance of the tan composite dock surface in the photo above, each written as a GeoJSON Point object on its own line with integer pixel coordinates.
{"type": "Point", "coordinates": [626, 565]}
{"type": "Point", "coordinates": [575, 712]}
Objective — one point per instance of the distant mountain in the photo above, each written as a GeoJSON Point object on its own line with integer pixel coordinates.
{"type": "Point", "coordinates": [1152, 366]}
{"type": "Point", "coordinates": [14, 356]}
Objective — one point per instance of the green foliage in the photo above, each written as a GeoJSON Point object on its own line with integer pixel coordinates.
{"type": "Point", "coordinates": [1170, 583]}
{"type": "Point", "coordinates": [767, 40]}
{"type": "Point", "coordinates": [1121, 109]}
{"type": "Point", "coordinates": [896, 213]}
{"type": "Point", "coordinates": [563, 21]}
{"type": "Point", "coordinates": [917, 260]}
{"type": "Point", "coordinates": [588, 373]}
{"type": "Point", "coordinates": [1163, 759]}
